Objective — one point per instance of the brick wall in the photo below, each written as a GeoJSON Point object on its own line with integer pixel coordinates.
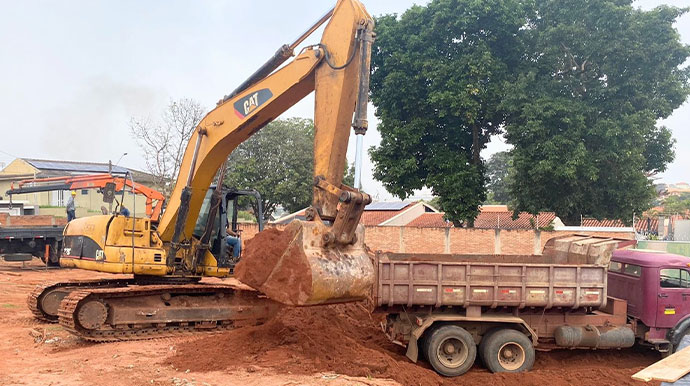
{"type": "Point", "coordinates": [456, 240]}
{"type": "Point", "coordinates": [28, 221]}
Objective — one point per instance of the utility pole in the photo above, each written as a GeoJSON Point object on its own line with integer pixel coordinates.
{"type": "Point", "coordinates": [110, 171]}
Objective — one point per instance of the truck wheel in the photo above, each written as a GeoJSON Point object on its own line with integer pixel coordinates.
{"type": "Point", "coordinates": [450, 350]}
{"type": "Point", "coordinates": [482, 343]}
{"type": "Point", "coordinates": [508, 351]}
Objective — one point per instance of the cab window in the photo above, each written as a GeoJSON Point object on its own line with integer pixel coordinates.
{"type": "Point", "coordinates": [615, 266]}
{"type": "Point", "coordinates": [632, 269]}
{"type": "Point", "coordinates": [674, 278]}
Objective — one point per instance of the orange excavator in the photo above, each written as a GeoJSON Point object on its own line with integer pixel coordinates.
{"type": "Point", "coordinates": [322, 260]}
{"type": "Point", "coordinates": [106, 183]}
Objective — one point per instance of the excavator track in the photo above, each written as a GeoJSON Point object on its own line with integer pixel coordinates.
{"type": "Point", "coordinates": [157, 311]}
{"type": "Point", "coordinates": [45, 299]}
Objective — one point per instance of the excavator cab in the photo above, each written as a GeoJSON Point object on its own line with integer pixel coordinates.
{"type": "Point", "coordinates": [226, 216]}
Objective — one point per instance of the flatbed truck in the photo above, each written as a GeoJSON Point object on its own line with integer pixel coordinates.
{"type": "Point", "coordinates": [21, 243]}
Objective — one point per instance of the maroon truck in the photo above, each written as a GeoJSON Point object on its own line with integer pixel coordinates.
{"type": "Point", "coordinates": [656, 286]}
{"type": "Point", "coordinates": [449, 309]}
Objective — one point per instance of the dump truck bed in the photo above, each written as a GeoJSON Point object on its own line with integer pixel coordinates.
{"type": "Point", "coordinates": [571, 272]}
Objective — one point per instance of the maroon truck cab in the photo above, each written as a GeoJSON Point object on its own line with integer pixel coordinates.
{"type": "Point", "coordinates": [656, 286]}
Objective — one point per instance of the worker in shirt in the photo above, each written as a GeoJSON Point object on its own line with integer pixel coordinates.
{"type": "Point", "coordinates": [71, 208]}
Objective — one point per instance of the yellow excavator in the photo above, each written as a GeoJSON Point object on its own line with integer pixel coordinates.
{"type": "Point", "coordinates": [165, 294]}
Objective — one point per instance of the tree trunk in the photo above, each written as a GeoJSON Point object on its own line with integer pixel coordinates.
{"type": "Point", "coordinates": [475, 145]}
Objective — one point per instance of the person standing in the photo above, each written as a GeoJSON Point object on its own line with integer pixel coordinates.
{"type": "Point", "coordinates": [71, 208]}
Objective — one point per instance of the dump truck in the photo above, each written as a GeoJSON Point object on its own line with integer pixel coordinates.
{"type": "Point", "coordinates": [448, 308]}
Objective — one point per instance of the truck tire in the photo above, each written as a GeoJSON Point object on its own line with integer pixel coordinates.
{"type": "Point", "coordinates": [450, 350]}
{"type": "Point", "coordinates": [482, 344]}
{"type": "Point", "coordinates": [684, 335]}
{"type": "Point", "coordinates": [507, 351]}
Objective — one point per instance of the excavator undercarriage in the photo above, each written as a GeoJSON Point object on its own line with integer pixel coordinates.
{"type": "Point", "coordinates": [143, 308]}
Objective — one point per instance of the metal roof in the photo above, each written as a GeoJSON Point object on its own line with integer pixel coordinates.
{"type": "Point", "coordinates": [71, 166]}
{"type": "Point", "coordinates": [396, 205]}
{"type": "Point", "coordinates": [646, 258]}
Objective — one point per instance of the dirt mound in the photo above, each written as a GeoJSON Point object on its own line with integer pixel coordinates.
{"type": "Point", "coordinates": [337, 338]}
{"type": "Point", "coordinates": [346, 339]}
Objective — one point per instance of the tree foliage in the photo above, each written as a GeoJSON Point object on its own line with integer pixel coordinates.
{"type": "Point", "coordinates": [278, 162]}
{"type": "Point", "coordinates": [498, 174]}
{"type": "Point", "coordinates": [582, 116]}
{"type": "Point", "coordinates": [164, 141]}
{"type": "Point", "coordinates": [677, 204]}
{"type": "Point", "coordinates": [577, 86]}
{"type": "Point", "coordinates": [439, 73]}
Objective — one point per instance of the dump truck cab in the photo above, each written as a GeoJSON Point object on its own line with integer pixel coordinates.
{"type": "Point", "coordinates": [656, 286]}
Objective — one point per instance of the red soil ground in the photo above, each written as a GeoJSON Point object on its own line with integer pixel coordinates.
{"type": "Point", "coordinates": [330, 345]}
{"type": "Point", "coordinates": [347, 339]}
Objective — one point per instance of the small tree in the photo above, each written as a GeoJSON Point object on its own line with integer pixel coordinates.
{"type": "Point", "coordinates": [164, 141]}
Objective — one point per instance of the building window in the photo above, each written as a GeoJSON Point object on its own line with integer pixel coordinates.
{"type": "Point", "coordinates": [57, 197]}
{"type": "Point", "coordinates": [674, 278]}
{"type": "Point", "coordinates": [84, 192]}
{"type": "Point", "coordinates": [632, 269]}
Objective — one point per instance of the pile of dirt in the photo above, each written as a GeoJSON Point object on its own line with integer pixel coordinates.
{"type": "Point", "coordinates": [347, 339]}
{"type": "Point", "coordinates": [343, 339]}
{"type": "Point", "coordinates": [274, 264]}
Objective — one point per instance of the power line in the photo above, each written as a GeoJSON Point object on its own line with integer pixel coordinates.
{"type": "Point", "coordinates": [6, 153]}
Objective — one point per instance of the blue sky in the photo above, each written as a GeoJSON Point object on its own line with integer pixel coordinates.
{"type": "Point", "coordinates": [73, 73]}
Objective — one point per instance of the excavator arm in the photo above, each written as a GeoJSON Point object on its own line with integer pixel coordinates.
{"type": "Point", "coordinates": [337, 70]}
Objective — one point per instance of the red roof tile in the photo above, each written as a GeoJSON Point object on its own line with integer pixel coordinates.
{"type": "Point", "coordinates": [504, 220]}
{"type": "Point", "coordinates": [486, 220]}
{"type": "Point", "coordinates": [376, 217]}
{"type": "Point", "coordinates": [640, 225]}
{"type": "Point", "coordinates": [430, 220]}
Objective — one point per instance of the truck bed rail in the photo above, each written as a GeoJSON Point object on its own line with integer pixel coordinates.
{"type": "Point", "coordinates": [571, 272]}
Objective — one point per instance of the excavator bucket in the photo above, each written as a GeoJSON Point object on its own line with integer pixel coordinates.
{"type": "Point", "coordinates": [294, 267]}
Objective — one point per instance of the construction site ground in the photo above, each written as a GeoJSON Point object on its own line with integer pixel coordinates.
{"type": "Point", "coordinates": [330, 345]}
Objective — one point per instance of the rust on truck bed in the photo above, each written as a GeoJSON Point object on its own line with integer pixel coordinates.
{"type": "Point", "coordinates": [571, 272]}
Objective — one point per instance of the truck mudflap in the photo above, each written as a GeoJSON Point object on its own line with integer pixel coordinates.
{"type": "Point", "coordinates": [676, 334]}
{"type": "Point", "coordinates": [423, 323]}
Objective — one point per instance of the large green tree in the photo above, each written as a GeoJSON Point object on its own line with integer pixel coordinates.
{"type": "Point", "coordinates": [439, 73]}
{"type": "Point", "coordinates": [278, 162]}
{"type": "Point", "coordinates": [595, 78]}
